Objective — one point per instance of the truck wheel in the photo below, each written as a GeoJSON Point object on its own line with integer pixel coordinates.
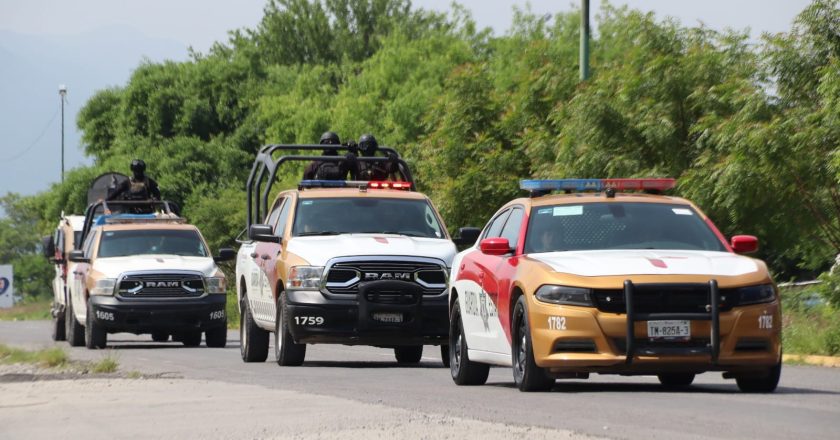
{"type": "Point", "coordinates": [676, 380]}
{"type": "Point", "coordinates": [444, 355]}
{"type": "Point", "coordinates": [160, 336]}
{"type": "Point", "coordinates": [74, 331]}
{"type": "Point", "coordinates": [527, 375]}
{"type": "Point", "coordinates": [191, 338]}
{"type": "Point", "coordinates": [253, 341]}
{"type": "Point", "coordinates": [95, 334]}
{"type": "Point", "coordinates": [463, 370]}
{"type": "Point", "coordinates": [286, 352]}
{"type": "Point", "coordinates": [761, 384]}
{"type": "Point", "coordinates": [408, 354]}
{"type": "Point", "coordinates": [216, 337]}
{"type": "Point", "coordinates": [59, 327]}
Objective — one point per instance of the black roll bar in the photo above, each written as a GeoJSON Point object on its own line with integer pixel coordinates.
{"type": "Point", "coordinates": [264, 170]}
{"type": "Point", "coordinates": [94, 209]}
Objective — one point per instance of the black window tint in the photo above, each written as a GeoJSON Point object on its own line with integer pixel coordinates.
{"type": "Point", "coordinates": [495, 228]}
{"type": "Point", "coordinates": [181, 242]}
{"type": "Point", "coordinates": [512, 226]}
{"type": "Point", "coordinates": [365, 215]}
{"type": "Point", "coordinates": [282, 219]}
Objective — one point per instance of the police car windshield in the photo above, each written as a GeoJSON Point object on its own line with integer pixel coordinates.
{"type": "Point", "coordinates": [333, 216]}
{"type": "Point", "coordinates": [599, 226]}
{"type": "Point", "coordinates": [183, 242]}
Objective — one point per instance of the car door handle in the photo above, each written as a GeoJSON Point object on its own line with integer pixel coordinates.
{"type": "Point", "coordinates": [264, 256]}
{"type": "Point", "coordinates": [481, 275]}
{"type": "Point", "coordinates": [253, 255]}
{"type": "Point", "coordinates": [78, 273]}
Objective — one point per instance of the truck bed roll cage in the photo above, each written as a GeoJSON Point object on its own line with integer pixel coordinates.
{"type": "Point", "coordinates": [101, 207]}
{"type": "Point", "coordinates": [264, 170]}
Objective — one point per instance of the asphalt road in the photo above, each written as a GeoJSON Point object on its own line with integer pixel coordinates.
{"type": "Point", "coordinates": [806, 404]}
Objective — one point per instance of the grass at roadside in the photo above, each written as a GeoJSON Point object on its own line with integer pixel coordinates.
{"type": "Point", "coordinates": [232, 310]}
{"type": "Point", "coordinates": [107, 364]}
{"type": "Point", "coordinates": [28, 310]}
{"type": "Point", "coordinates": [49, 357]}
{"type": "Point", "coordinates": [810, 326]}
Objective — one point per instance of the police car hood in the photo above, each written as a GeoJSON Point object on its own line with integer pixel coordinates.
{"type": "Point", "coordinates": [112, 267]}
{"type": "Point", "coordinates": [318, 250]}
{"type": "Point", "coordinates": [647, 262]}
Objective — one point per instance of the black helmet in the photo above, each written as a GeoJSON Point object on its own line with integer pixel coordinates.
{"type": "Point", "coordinates": [368, 145]}
{"type": "Point", "coordinates": [138, 166]}
{"type": "Point", "coordinates": [329, 138]}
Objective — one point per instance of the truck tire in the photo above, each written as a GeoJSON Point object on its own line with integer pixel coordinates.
{"type": "Point", "coordinates": [191, 338]}
{"type": "Point", "coordinates": [160, 336]}
{"type": "Point", "coordinates": [95, 334]}
{"type": "Point", "coordinates": [408, 354]}
{"type": "Point", "coordinates": [286, 351]}
{"type": "Point", "coordinates": [527, 375]}
{"type": "Point", "coordinates": [74, 331]}
{"type": "Point", "coordinates": [463, 370]}
{"type": "Point", "coordinates": [253, 341]}
{"type": "Point", "coordinates": [761, 384]}
{"type": "Point", "coordinates": [216, 337]}
{"type": "Point", "coordinates": [59, 327]}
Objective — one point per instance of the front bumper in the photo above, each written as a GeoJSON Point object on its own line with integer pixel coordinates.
{"type": "Point", "coordinates": [315, 318]}
{"type": "Point", "coordinates": [164, 315]}
{"type": "Point", "coordinates": [591, 341]}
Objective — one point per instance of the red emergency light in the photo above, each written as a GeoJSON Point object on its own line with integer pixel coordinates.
{"type": "Point", "coordinates": [652, 184]}
{"type": "Point", "coordinates": [381, 184]}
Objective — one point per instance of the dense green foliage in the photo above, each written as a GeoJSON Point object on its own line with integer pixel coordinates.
{"type": "Point", "coordinates": [752, 132]}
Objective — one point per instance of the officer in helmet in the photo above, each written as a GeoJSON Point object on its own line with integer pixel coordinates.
{"type": "Point", "coordinates": [138, 187]}
{"type": "Point", "coordinates": [330, 170]}
{"type": "Point", "coordinates": [375, 170]}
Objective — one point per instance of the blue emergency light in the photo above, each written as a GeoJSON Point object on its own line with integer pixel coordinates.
{"type": "Point", "coordinates": [597, 185]}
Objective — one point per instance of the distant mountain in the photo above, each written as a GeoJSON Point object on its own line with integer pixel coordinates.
{"type": "Point", "coordinates": [31, 69]}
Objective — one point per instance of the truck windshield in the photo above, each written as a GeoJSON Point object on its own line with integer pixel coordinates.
{"type": "Point", "coordinates": [183, 242]}
{"type": "Point", "coordinates": [333, 216]}
{"type": "Point", "coordinates": [599, 226]}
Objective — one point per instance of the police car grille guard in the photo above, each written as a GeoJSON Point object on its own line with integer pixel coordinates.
{"type": "Point", "coordinates": [713, 315]}
{"type": "Point", "coordinates": [264, 171]}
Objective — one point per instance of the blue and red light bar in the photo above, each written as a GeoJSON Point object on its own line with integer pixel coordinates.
{"type": "Point", "coordinates": [598, 185]}
{"type": "Point", "coordinates": [361, 184]}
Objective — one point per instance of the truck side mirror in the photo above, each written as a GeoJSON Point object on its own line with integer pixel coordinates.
{"type": "Point", "coordinates": [225, 254]}
{"type": "Point", "coordinates": [263, 233]}
{"type": "Point", "coordinates": [48, 247]}
{"type": "Point", "coordinates": [744, 244]}
{"type": "Point", "coordinates": [495, 246]}
{"type": "Point", "coordinates": [466, 236]}
{"type": "Point", "coordinates": [78, 256]}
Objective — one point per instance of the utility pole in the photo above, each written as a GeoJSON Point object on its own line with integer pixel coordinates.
{"type": "Point", "coordinates": [62, 91]}
{"type": "Point", "coordinates": [584, 40]}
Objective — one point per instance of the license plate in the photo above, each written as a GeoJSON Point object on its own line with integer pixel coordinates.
{"type": "Point", "coordinates": [672, 330]}
{"type": "Point", "coordinates": [388, 317]}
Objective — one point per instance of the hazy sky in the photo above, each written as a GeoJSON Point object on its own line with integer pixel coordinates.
{"type": "Point", "coordinates": [103, 40]}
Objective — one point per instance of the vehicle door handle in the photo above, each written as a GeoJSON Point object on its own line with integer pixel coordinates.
{"type": "Point", "coordinates": [264, 256]}
{"type": "Point", "coordinates": [463, 266]}
{"type": "Point", "coordinates": [253, 255]}
{"type": "Point", "coordinates": [481, 275]}
{"type": "Point", "coordinates": [78, 273]}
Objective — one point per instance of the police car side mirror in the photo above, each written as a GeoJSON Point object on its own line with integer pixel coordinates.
{"type": "Point", "coordinates": [78, 256]}
{"type": "Point", "coordinates": [466, 236]}
{"type": "Point", "coordinates": [263, 233]}
{"type": "Point", "coordinates": [48, 245]}
{"type": "Point", "coordinates": [744, 244]}
{"type": "Point", "coordinates": [225, 254]}
{"type": "Point", "coordinates": [495, 246]}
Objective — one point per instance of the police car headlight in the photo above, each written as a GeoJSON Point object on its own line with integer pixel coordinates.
{"type": "Point", "coordinates": [756, 294]}
{"type": "Point", "coordinates": [571, 296]}
{"type": "Point", "coordinates": [104, 286]}
{"type": "Point", "coordinates": [305, 277]}
{"type": "Point", "coordinates": [215, 284]}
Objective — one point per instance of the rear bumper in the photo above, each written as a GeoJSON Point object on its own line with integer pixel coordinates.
{"type": "Point", "coordinates": [358, 320]}
{"type": "Point", "coordinates": [119, 315]}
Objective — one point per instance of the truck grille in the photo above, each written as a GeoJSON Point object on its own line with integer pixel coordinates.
{"type": "Point", "coordinates": [161, 285]}
{"type": "Point", "coordinates": [344, 277]}
{"type": "Point", "coordinates": [679, 298]}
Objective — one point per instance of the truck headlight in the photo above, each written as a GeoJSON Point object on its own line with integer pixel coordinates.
{"type": "Point", "coordinates": [104, 286]}
{"type": "Point", "coordinates": [571, 296]}
{"type": "Point", "coordinates": [215, 284]}
{"type": "Point", "coordinates": [305, 277]}
{"type": "Point", "coordinates": [756, 294]}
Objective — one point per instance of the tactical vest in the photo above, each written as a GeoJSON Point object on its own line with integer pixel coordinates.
{"type": "Point", "coordinates": [138, 189]}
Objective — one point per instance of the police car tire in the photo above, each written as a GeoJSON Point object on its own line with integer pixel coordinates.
{"type": "Point", "coordinates": [74, 331]}
{"type": "Point", "coordinates": [527, 375]}
{"type": "Point", "coordinates": [59, 327]}
{"type": "Point", "coordinates": [408, 354]}
{"type": "Point", "coordinates": [253, 341]}
{"type": "Point", "coordinates": [286, 352]}
{"type": "Point", "coordinates": [676, 380]}
{"type": "Point", "coordinates": [444, 355]}
{"type": "Point", "coordinates": [191, 338]}
{"type": "Point", "coordinates": [463, 370]}
{"type": "Point", "coordinates": [216, 337]}
{"type": "Point", "coordinates": [765, 384]}
{"type": "Point", "coordinates": [95, 334]}
{"type": "Point", "coordinates": [160, 337]}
